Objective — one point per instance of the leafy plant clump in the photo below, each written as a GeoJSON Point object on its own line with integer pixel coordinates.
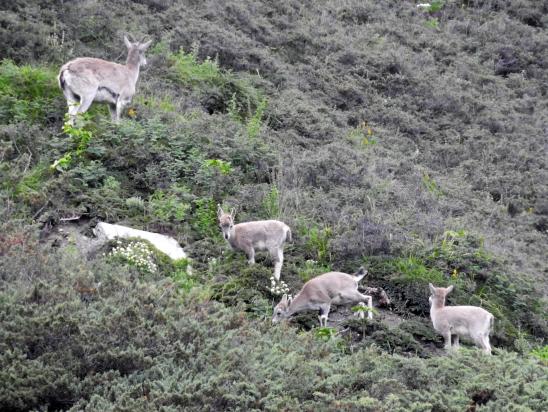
{"type": "Point", "coordinates": [27, 93]}
{"type": "Point", "coordinates": [192, 72]}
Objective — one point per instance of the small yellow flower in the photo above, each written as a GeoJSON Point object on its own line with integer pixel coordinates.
{"type": "Point", "coordinates": [455, 273]}
{"type": "Point", "coordinates": [132, 112]}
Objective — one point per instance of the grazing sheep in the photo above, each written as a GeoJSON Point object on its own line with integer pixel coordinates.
{"type": "Point", "coordinates": [319, 293]}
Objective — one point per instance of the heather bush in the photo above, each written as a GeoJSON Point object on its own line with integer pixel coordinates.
{"type": "Point", "coordinates": [134, 343]}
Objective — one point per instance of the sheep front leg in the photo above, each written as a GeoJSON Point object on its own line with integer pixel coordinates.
{"type": "Point", "coordinates": [121, 103]}
{"type": "Point", "coordinates": [250, 252]}
{"type": "Point", "coordinates": [447, 340]}
{"type": "Point", "coordinates": [112, 110]}
{"type": "Point", "coordinates": [356, 297]}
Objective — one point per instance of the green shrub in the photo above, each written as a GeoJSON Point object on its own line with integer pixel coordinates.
{"type": "Point", "coordinates": [182, 276]}
{"type": "Point", "coordinates": [271, 203]}
{"type": "Point", "coordinates": [221, 166]}
{"type": "Point", "coordinates": [31, 183]}
{"type": "Point", "coordinates": [136, 254]}
{"type": "Point", "coordinates": [310, 269]}
{"type": "Point", "coordinates": [436, 6]}
{"type": "Point", "coordinates": [189, 71]}
{"type": "Point", "coordinates": [221, 90]}
{"type": "Point", "coordinates": [169, 206]}
{"type": "Point", "coordinates": [431, 185]}
{"type": "Point", "coordinates": [413, 269]}
{"type": "Point", "coordinates": [81, 138]}
{"type": "Point", "coordinates": [204, 217]}
{"type": "Point", "coordinates": [27, 93]}
{"type": "Point", "coordinates": [362, 135]}
{"type": "Point", "coordinates": [316, 241]}
{"type": "Point", "coordinates": [542, 354]}
{"type": "Point", "coordinates": [254, 123]}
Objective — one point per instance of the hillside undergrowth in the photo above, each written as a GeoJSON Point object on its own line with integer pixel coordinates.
{"type": "Point", "coordinates": [404, 139]}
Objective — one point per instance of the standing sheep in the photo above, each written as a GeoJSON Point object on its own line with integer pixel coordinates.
{"type": "Point", "coordinates": [267, 235]}
{"type": "Point", "coordinates": [466, 321]}
{"type": "Point", "coordinates": [86, 80]}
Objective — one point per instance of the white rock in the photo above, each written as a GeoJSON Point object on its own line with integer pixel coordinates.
{"type": "Point", "coordinates": [163, 243]}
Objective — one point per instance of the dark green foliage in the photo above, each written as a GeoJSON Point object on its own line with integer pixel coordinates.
{"type": "Point", "coordinates": [407, 140]}
{"type": "Point", "coordinates": [134, 343]}
{"type": "Point", "coordinates": [409, 338]}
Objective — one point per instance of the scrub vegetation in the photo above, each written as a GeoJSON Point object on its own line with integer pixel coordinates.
{"type": "Point", "coordinates": [408, 140]}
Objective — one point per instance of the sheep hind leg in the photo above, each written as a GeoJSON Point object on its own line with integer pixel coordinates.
{"type": "Point", "coordinates": [361, 313]}
{"type": "Point", "coordinates": [73, 103]}
{"type": "Point", "coordinates": [72, 111]}
{"type": "Point", "coordinates": [323, 316]}
{"type": "Point", "coordinates": [85, 102]}
{"type": "Point", "coordinates": [484, 343]}
{"type": "Point", "coordinates": [359, 299]}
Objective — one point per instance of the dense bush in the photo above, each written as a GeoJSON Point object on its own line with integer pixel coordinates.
{"type": "Point", "coordinates": [94, 335]}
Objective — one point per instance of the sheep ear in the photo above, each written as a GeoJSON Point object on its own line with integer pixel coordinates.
{"type": "Point", "coordinates": [449, 289]}
{"type": "Point", "coordinates": [233, 213]}
{"type": "Point", "coordinates": [219, 210]}
{"type": "Point", "coordinates": [284, 298]}
{"type": "Point", "coordinates": [127, 42]}
{"type": "Point", "coordinates": [145, 46]}
{"type": "Point", "coordinates": [432, 288]}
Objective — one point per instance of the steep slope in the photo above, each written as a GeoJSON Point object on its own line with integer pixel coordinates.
{"type": "Point", "coordinates": [409, 140]}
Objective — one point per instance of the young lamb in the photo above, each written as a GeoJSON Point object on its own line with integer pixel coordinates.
{"type": "Point", "coordinates": [259, 235]}
{"type": "Point", "coordinates": [464, 321]}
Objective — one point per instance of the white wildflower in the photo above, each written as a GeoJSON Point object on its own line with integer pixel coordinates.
{"type": "Point", "coordinates": [136, 254]}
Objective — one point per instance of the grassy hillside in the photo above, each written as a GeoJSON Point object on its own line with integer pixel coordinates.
{"type": "Point", "coordinates": [411, 141]}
